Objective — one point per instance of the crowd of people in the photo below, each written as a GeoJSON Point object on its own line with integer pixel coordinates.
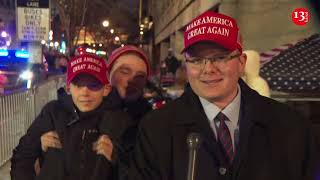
{"type": "Point", "coordinates": [104, 128]}
{"type": "Point", "coordinates": [55, 62]}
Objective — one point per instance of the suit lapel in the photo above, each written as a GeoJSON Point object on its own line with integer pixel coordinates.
{"type": "Point", "coordinates": [242, 148]}
{"type": "Point", "coordinates": [250, 116]}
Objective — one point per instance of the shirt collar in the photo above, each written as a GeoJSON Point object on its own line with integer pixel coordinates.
{"type": "Point", "coordinates": [232, 110]}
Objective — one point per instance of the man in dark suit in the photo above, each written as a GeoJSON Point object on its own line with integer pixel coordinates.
{"type": "Point", "coordinates": [244, 136]}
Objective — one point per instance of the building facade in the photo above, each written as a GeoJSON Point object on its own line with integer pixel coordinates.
{"type": "Point", "coordinates": [264, 24]}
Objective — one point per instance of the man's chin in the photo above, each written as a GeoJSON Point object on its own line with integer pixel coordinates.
{"type": "Point", "coordinates": [86, 109]}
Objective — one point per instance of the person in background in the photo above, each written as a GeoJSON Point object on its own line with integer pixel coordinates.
{"type": "Point", "coordinates": [172, 62]}
{"type": "Point", "coordinates": [177, 89]}
{"type": "Point", "coordinates": [239, 134]}
{"type": "Point", "coordinates": [61, 64]}
{"type": "Point", "coordinates": [51, 61]}
{"type": "Point", "coordinates": [129, 69]}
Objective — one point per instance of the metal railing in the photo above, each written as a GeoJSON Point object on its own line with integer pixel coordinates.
{"type": "Point", "coordinates": [18, 110]}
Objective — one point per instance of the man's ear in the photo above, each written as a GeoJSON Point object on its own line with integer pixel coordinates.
{"type": "Point", "coordinates": [242, 60]}
{"type": "Point", "coordinates": [107, 89]}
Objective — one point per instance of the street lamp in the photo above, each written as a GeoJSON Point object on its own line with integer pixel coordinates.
{"type": "Point", "coordinates": [105, 23]}
{"type": "Point", "coordinates": [56, 44]}
{"type": "Point", "coordinates": [117, 38]}
{"type": "Point", "coordinates": [4, 34]}
{"type": "Point", "coordinates": [111, 31]}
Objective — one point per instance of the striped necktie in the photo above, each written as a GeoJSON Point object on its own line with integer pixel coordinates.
{"type": "Point", "coordinates": [224, 136]}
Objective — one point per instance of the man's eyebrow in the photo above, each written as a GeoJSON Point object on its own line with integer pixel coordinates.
{"type": "Point", "coordinates": [125, 67]}
{"type": "Point", "coordinates": [141, 73]}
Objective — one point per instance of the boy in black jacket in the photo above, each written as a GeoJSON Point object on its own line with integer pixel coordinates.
{"type": "Point", "coordinates": [72, 135]}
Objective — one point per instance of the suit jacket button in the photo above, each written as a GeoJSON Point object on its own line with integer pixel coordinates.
{"type": "Point", "coordinates": [222, 171]}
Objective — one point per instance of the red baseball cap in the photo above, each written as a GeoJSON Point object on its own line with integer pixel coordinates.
{"type": "Point", "coordinates": [89, 64]}
{"type": "Point", "coordinates": [213, 27]}
{"type": "Point", "coordinates": [125, 49]}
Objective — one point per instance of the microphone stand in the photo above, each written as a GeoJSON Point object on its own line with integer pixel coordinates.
{"type": "Point", "coordinates": [193, 141]}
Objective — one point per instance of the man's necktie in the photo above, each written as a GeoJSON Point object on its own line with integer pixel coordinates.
{"type": "Point", "coordinates": [224, 136]}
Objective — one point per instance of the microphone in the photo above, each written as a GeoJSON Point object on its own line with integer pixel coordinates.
{"type": "Point", "coordinates": [193, 141]}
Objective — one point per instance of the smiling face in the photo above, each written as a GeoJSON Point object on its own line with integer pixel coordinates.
{"type": "Point", "coordinates": [87, 92]}
{"type": "Point", "coordinates": [129, 76]}
{"type": "Point", "coordinates": [214, 81]}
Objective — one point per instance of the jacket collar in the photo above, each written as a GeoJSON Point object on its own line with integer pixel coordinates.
{"type": "Point", "coordinates": [67, 104]}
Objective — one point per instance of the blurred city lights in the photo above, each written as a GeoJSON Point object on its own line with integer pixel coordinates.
{"type": "Point", "coordinates": [26, 75]}
{"type": "Point", "coordinates": [4, 34]}
{"type": "Point", "coordinates": [29, 83]}
{"type": "Point", "coordinates": [89, 50]}
{"type": "Point", "coordinates": [50, 35]}
{"type": "Point", "coordinates": [101, 53]}
{"type": "Point", "coordinates": [117, 38]}
{"type": "Point", "coordinates": [22, 54]}
{"type": "Point", "coordinates": [43, 42]}
{"type": "Point", "coordinates": [141, 32]}
{"type": "Point", "coordinates": [105, 23]}
{"type": "Point", "coordinates": [3, 52]}
{"type": "Point", "coordinates": [111, 31]}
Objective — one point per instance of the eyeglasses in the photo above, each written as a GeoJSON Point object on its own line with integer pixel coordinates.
{"type": "Point", "coordinates": [93, 86]}
{"type": "Point", "coordinates": [199, 62]}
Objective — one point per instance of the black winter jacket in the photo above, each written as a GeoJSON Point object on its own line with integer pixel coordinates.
{"type": "Point", "coordinates": [136, 111]}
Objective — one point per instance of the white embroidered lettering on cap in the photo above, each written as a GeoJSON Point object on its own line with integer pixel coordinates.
{"type": "Point", "coordinates": [77, 61]}
{"type": "Point", "coordinates": [218, 30]}
{"type": "Point", "coordinates": [196, 32]}
{"type": "Point", "coordinates": [79, 67]}
{"type": "Point", "coordinates": [93, 67]}
{"type": "Point", "coordinates": [92, 60]}
{"type": "Point", "coordinates": [211, 20]}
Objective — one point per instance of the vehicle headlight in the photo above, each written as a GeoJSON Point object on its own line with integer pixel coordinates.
{"type": "Point", "coordinates": [26, 75]}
